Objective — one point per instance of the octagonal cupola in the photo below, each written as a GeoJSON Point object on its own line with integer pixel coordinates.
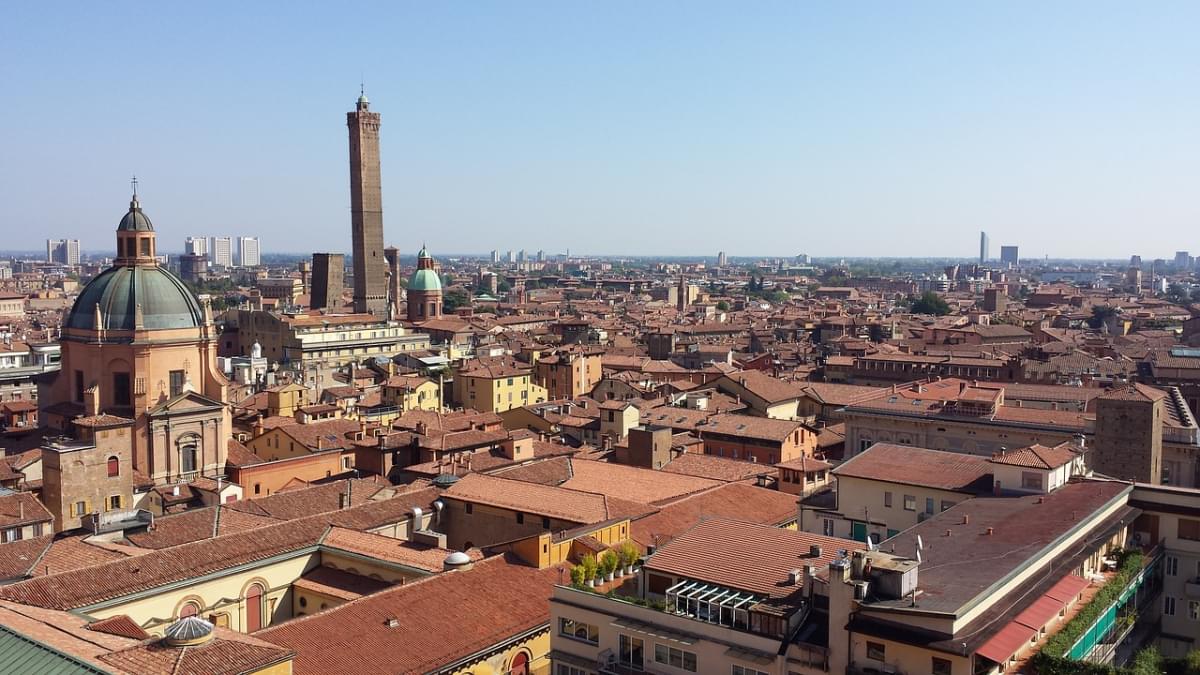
{"type": "Point", "coordinates": [135, 235]}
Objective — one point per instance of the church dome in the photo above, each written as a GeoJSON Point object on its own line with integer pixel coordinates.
{"type": "Point", "coordinates": [165, 301]}
{"type": "Point", "coordinates": [425, 280]}
{"type": "Point", "coordinates": [135, 220]}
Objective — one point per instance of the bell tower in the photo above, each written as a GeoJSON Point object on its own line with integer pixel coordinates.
{"type": "Point", "coordinates": [366, 210]}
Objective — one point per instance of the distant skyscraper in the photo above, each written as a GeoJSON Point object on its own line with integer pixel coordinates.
{"type": "Point", "coordinates": [196, 246]}
{"type": "Point", "coordinates": [512, 257]}
{"type": "Point", "coordinates": [495, 256]}
{"type": "Point", "coordinates": [220, 251]}
{"type": "Point", "coordinates": [721, 259]}
{"type": "Point", "coordinates": [1009, 255]}
{"type": "Point", "coordinates": [521, 257]}
{"type": "Point", "coordinates": [64, 251]}
{"type": "Point", "coordinates": [328, 275]}
{"type": "Point", "coordinates": [983, 247]}
{"type": "Point", "coordinates": [1135, 261]}
{"type": "Point", "coordinates": [1183, 260]}
{"type": "Point", "coordinates": [541, 256]}
{"type": "Point", "coordinates": [249, 252]}
{"type": "Point", "coordinates": [366, 210]}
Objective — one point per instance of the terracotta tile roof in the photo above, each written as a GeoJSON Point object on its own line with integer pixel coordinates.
{"type": "Point", "coordinates": [735, 500]}
{"type": "Point", "coordinates": [83, 587]}
{"type": "Point", "coordinates": [455, 421]}
{"type": "Point", "coordinates": [440, 620]}
{"type": "Point", "coordinates": [838, 394]}
{"type": "Point", "coordinates": [739, 426]}
{"type": "Point", "coordinates": [22, 508]}
{"type": "Point", "coordinates": [322, 434]}
{"type": "Point", "coordinates": [573, 506]}
{"type": "Point", "coordinates": [631, 483]}
{"type": "Point", "coordinates": [1038, 456]}
{"type": "Point", "coordinates": [19, 558]}
{"type": "Point", "coordinates": [121, 625]}
{"type": "Point", "coordinates": [1135, 392]}
{"type": "Point", "coordinates": [86, 586]}
{"type": "Point", "coordinates": [73, 553]}
{"type": "Point", "coordinates": [907, 465]}
{"type": "Point", "coordinates": [745, 556]}
{"type": "Point", "coordinates": [805, 464]}
{"type": "Point", "coordinates": [101, 420]}
{"type": "Point", "coordinates": [716, 468]}
{"type": "Point", "coordinates": [428, 558]}
{"type": "Point", "coordinates": [553, 471]}
{"type": "Point", "coordinates": [227, 653]}
{"type": "Point", "coordinates": [62, 631]}
{"type": "Point", "coordinates": [765, 387]}
{"type": "Point", "coordinates": [339, 583]}
{"type": "Point", "coordinates": [197, 524]}
{"type": "Point", "coordinates": [307, 501]}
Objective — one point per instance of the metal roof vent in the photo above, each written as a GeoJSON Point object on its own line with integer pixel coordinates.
{"type": "Point", "coordinates": [190, 630]}
{"type": "Point", "coordinates": [456, 561]}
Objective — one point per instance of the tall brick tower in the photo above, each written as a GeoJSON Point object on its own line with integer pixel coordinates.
{"type": "Point", "coordinates": [366, 210]}
{"type": "Point", "coordinates": [1129, 425]}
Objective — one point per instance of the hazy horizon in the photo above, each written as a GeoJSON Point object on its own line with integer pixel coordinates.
{"type": "Point", "coordinates": [1067, 129]}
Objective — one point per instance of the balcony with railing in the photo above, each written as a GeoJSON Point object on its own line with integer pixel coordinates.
{"type": "Point", "coordinates": [696, 612]}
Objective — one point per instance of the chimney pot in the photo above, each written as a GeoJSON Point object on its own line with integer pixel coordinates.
{"type": "Point", "coordinates": [947, 533]}
{"type": "Point", "coordinates": [991, 531]}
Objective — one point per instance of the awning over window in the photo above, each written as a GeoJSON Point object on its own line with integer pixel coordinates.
{"type": "Point", "coordinates": [1068, 588]}
{"type": "Point", "coordinates": [1037, 615]}
{"type": "Point", "coordinates": [1040, 613]}
{"type": "Point", "coordinates": [1007, 642]}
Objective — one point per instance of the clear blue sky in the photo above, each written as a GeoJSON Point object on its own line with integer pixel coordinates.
{"type": "Point", "coordinates": [868, 128]}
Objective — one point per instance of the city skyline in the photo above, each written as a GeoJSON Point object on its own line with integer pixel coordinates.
{"type": "Point", "coordinates": [798, 124]}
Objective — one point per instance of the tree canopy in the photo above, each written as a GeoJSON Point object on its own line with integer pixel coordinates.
{"type": "Point", "coordinates": [930, 303]}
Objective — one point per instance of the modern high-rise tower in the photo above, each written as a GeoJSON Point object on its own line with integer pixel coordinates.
{"type": "Point", "coordinates": [983, 247]}
{"type": "Point", "coordinates": [366, 211]}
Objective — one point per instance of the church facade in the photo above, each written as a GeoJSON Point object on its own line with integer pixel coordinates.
{"type": "Point", "coordinates": [139, 350]}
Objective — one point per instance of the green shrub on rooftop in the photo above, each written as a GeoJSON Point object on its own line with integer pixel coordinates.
{"type": "Point", "coordinates": [1061, 642]}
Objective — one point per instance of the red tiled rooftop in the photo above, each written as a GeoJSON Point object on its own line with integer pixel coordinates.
{"type": "Point", "coordinates": [1038, 456]}
{"type": "Point", "coordinates": [734, 501]}
{"type": "Point", "coordinates": [907, 465]}
{"type": "Point", "coordinates": [439, 620]}
{"type": "Point", "coordinates": [745, 556]}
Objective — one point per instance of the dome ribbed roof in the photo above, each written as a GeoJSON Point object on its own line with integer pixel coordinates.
{"type": "Point", "coordinates": [135, 220]}
{"type": "Point", "coordinates": [425, 280]}
{"type": "Point", "coordinates": [165, 301]}
{"type": "Point", "coordinates": [188, 630]}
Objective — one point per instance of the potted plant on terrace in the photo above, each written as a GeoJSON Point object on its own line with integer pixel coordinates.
{"type": "Point", "coordinates": [608, 564]}
{"type": "Point", "coordinates": [577, 579]}
{"type": "Point", "coordinates": [628, 553]}
{"type": "Point", "coordinates": [590, 568]}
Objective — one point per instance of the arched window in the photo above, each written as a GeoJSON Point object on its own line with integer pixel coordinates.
{"type": "Point", "coordinates": [188, 609]}
{"type": "Point", "coordinates": [187, 458]}
{"type": "Point", "coordinates": [520, 664]}
{"type": "Point", "coordinates": [254, 608]}
{"type": "Point", "coordinates": [114, 467]}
